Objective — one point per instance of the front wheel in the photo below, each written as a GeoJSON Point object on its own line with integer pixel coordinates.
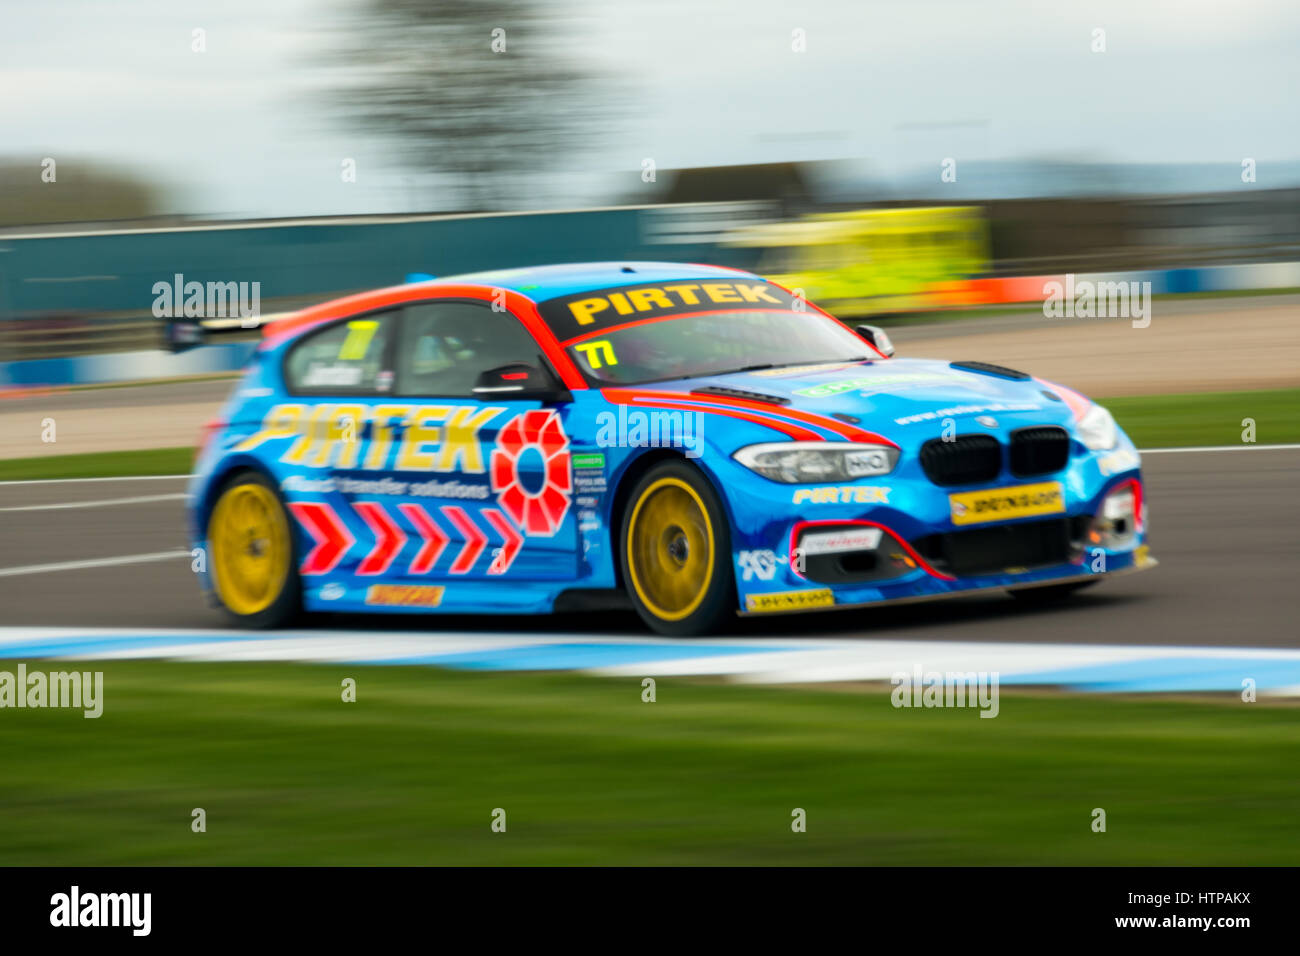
{"type": "Point", "coordinates": [676, 553]}
{"type": "Point", "coordinates": [250, 547]}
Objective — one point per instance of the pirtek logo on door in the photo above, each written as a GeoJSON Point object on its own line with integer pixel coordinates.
{"type": "Point", "coordinates": [436, 437]}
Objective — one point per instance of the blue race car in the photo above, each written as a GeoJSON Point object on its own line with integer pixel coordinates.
{"type": "Point", "coordinates": [696, 441]}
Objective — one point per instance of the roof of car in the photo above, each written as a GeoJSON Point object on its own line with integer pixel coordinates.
{"type": "Point", "coordinates": [540, 283]}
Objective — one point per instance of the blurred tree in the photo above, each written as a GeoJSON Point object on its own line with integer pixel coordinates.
{"type": "Point", "coordinates": [69, 189]}
{"type": "Point", "coordinates": [486, 91]}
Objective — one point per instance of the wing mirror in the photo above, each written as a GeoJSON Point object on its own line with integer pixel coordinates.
{"type": "Point", "coordinates": [878, 337]}
{"type": "Point", "coordinates": [519, 380]}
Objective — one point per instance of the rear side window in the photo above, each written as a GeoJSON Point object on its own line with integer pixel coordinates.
{"type": "Point", "coordinates": [444, 346]}
{"type": "Point", "coordinates": [345, 358]}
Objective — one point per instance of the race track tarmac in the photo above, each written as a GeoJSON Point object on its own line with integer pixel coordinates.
{"type": "Point", "coordinates": [1223, 527]}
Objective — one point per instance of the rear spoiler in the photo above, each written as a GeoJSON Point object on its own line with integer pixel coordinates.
{"type": "Point", "coordinates": [183, 334]}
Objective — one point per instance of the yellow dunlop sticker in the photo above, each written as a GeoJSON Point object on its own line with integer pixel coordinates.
{"type": "Point", "coordinates": [999, 504]}
{"type": "Point", "coordinates": [405, 595]}
{"type": "Point", "coordinates": [789, 600]}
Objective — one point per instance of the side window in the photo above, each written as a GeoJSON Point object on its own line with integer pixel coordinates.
{"type": "Point", "coordinates": [443, 346]}
{"type": "Point", "coordinates": [345, 358]}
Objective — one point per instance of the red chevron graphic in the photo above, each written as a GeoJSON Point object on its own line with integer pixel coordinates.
{"type": "Point", "coordinates": [475, 540]}
{"type": "Point", "coordinates": [435, 539]}
{"type": "Point", "coordinates": [389, 538]}
{"type": "Point", "coordinates": [333, 540]}
{"type": "Point", "coordinates": [514, 541]}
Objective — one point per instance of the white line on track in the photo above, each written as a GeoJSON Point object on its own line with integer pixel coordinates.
{"type": "Point", "coordinates": [101, 503]}
{"type": "Point", "coordinates": [1157, 451]}
{"type": "Point", "coordinates": [94, 563]}
{"type": "Point", "coordinates": [69, 481]}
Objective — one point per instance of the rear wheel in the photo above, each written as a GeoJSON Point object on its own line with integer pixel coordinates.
{"type": "Point", "coordinates": [676, 553]}
{"type": "Point", "coordinates": [250, 549]}
{"type": "Point", "coordinates": [1049, 594]}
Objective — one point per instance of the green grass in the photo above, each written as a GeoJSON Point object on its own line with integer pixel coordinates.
{"type": "Point", "coordinates": [105, 464]}
{"type": "Point", "coordinates": [589, 774]}
{"type": "Point", "coordinates": [1208, 418]}
{"type": "Point", "coordinates": [1228, 293]}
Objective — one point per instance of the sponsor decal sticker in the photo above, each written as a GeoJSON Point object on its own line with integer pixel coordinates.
{"type": "Point", "coordinates": [871, 383]}
{"type": "Point", "coordinates": [757, 564]}
{"type": "Point", "coordinates": [845, 539]}
{"type": "Point", "coordinates": [538, 433]}
{"type": "Point", "coordinates": [842, 495]}
{"type": "Point", "coordinates": [589, 460]}
{"type": "Point", "coordinates": [789, 600]}
{"type": "Point", "coordinates": [339, 376]}
{"type": "Point", "coordinates": [574, 315]}
{"type": "Point", "coordinates": [439, 438]}
{"type": "Point", "coordinates": [1000, 504]}
{"type": "Point", "coordinates": [955, 410]}
{"type": "Point", "coordinates": [405, 595]}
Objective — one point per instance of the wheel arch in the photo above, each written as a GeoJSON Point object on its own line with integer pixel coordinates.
{"type": "Point", "coordinates": [217, 480]}
{"type": "Point", "coordinates": [627, 480]}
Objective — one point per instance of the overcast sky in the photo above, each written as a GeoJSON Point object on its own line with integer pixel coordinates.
{"type": "Point", "coordinates": [237, 131]}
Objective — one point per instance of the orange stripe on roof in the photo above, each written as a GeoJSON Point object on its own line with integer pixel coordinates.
{"type": "Point", "coordinates": [520, 306]}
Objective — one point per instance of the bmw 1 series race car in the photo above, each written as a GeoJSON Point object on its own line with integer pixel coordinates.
{"type": "Point", "coordinates": [696, 439]}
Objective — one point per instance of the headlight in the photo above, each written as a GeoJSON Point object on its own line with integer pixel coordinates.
{"type": "Point", "coordinates": [1097, 429]}
{"type": "Point", "coordinates": [810, 462]}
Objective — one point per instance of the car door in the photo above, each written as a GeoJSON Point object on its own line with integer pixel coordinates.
{"type": "Point", "coordinates": [485, 484]}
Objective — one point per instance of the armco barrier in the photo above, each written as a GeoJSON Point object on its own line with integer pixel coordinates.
{"type": "Point", "coordinates": [125, 366]}
{"type": "Point", "coordinates": [1231, 278]}
{"type": "Point", "coordinates": [115, 271]}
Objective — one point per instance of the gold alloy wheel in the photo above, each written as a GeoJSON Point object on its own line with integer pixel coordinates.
{"type": "Point", "coordinates": [248, 540]}
{"type": "Point", "coordinates": [670, 549]}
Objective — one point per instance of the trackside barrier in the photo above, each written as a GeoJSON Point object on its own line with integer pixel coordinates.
{"type": "Point", "coordinates": [1230, 278]}
{"type": "Point", "coordinates": [125, 366]}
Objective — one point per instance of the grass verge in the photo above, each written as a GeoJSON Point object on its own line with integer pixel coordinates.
{"type": "Point", "coordinates": [589, 774]}
{"type": "Point", "coordinates": [104, 464]}
{"type": "Point", "coordinates": [1209, 418]}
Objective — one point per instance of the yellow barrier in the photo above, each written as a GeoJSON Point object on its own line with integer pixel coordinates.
{"type": "Point", "coordinates": [874, 260]}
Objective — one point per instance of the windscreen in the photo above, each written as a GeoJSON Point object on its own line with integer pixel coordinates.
{"type": "Point", "coordinates": [635, 334]}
